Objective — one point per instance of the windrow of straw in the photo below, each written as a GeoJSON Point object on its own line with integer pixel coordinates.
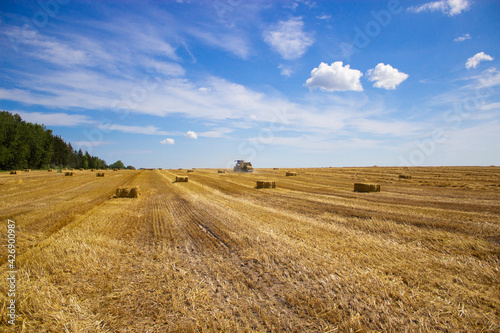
{"type": "Point", "coordinates": [361, 187]}
{"type": "Point", "coordinates": [265, 184]}
{"type": "Point", "coordinates": [127, 192]}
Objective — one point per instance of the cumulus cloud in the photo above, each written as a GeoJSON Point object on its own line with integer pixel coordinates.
{"type": "Point", "coordinates": [191, 135]}
{"type": "Point", "coordinates": [335, 77]}
{"type": "Point", "coordinates": [472, 62]}
{"type": "Point", "coordinates": [385, 76]}
{"type": "Point", "coordinates": [462, 38]}
{"type": "Point", "coordinates": [448, 7]}
{"type": "Point", "coordinates": [167, 141]}
{"type": "Point", "coordinates": [288, 38]}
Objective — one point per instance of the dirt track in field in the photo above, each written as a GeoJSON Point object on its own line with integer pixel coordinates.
{"type": "Point", "coordinates": [217, 254]}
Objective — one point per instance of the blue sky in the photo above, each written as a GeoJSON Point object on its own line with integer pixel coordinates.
{"type": "Point", "coordinates": [280, 83]}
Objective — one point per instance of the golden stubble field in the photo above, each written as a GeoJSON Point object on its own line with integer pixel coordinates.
{"type": "Point", "coordinates": [217, 254]}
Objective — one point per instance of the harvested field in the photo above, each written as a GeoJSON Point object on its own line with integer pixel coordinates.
{"type": "Point", "coordinates": [217, 254]}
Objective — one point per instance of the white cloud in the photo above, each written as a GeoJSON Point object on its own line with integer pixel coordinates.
{"type": "Point", "coordinates": [324, 17]}
{"type": "Point", "coordinates": [191, 135]}
{"type": "Point", "coordinates": [167, 141]}
{"type": "Point", "coordinates": [335, 77]}
{"type": "Point", "coordinates": [231, 42]}
{"type": "Point", "coordinates": [472, 62]}
{"type": "Point", "coordinates": [54, 119]}
{"type": "Point", "coordinates": [288, 38]}
{"type": "Point", "coordinates": [149, 130]}
{"type": "Point", "coordinates": [91, 143]}
{"type": "Point", "coordinates": [448, 7]}
{"type": "Point", "coordinates": [385, 76]}
{"type": "Point", "coordinates": [462, 38]}
{"type": "Point", "coordinates": [216, 133]}
{"type": "Point", "coordinates": [285, 70]}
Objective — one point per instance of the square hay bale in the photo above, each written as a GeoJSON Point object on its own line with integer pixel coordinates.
{"type": "Point", "coordinates": [68, 173]}
{"type": "Point", "coordinates": [81, 169]}
{"type": "Point", "coordinates": [190, 170]}
{"type": "Point", "coordinates": [291, 174]}
{"type": "Point", "coordinates": [100, 174]}
{"type": "Point", "coordinates": [14, 172]}
{"type": "Point", "coordinates": [361, 187]}
{"type": "Point", "coordinates": [221, 171]}
{"type": "Point", "coordinates": [92, 170]}
{"type": "Point", "coordinates": [264, 184]}
{"type": "Point", "coordinates": [27, 170]}
{"type": "Point", "coordinates": [127, 192]}
{"type": "Point", "coordinates": [180, 169]}
{"type": "Point", "coordinates": [160, 168]}
{"type": "Point", "coordinates": [404, 177]}
{"type": "Point", "coordinates": [115, 169]}
{"type": "Point", "coordinates": [276, 168]}
{"type": "Point", "coordinates": [50, 170]}
{"type": "Point", "coordinates": [181, 179]}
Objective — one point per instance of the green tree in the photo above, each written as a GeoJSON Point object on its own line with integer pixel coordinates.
{"type": "Point", "coordinates": [117, 165]}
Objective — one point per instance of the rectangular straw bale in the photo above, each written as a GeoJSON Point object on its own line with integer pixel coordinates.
{"type": "Point", "coordinates": [266, 184]}
{"type": "Point", "coordinates": [181, 179]}
{"type": "Point", "coordinates": [361, 187]}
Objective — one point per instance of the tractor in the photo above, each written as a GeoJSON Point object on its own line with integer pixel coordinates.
{"type": "Point", "coordinates": [242, 166]}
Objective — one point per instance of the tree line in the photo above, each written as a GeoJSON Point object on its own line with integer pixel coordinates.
{"type": "Point", "coordinates": [24, 145]}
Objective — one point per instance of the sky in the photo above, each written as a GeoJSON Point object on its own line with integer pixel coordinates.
{"type": "Point", "coordinates": [180, 84]}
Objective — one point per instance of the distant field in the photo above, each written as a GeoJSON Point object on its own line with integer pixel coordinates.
{"type": "Point", "coordinates": [217, 254]}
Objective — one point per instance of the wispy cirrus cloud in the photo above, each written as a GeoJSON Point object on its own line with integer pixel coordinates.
{"type": "Point", "coordinates": [448, 7]}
